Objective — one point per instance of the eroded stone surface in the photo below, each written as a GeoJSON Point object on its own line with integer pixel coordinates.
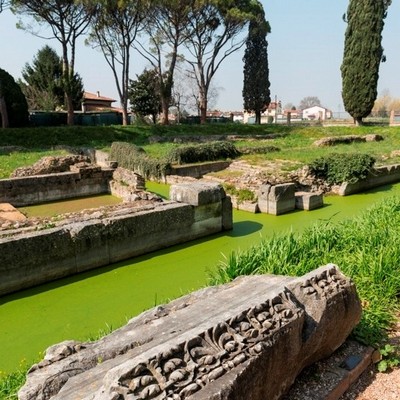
{"type": "Point", "coordinates": [245, 340]}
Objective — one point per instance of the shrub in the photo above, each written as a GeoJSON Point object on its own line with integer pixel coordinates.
{"type": "Point", "coordinates": [16, 104]}
{"type": "Point", "coordinates": [337, 168]}
{"type": "Point", "coordinates": [259, 150]}
{"type": "Point", "coordinates": [134, 158]}
{"type": "Point", "coordinates": [203, 152]}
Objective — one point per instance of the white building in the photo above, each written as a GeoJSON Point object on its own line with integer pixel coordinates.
{"type": "Point", "coordinates": [317, 113]}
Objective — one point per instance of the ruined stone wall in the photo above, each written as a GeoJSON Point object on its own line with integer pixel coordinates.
{"type": "Point", "coordinates": [28, 259]}
{"type": "Point", "coordinates": [52, 187]}
{"type": "Point", "coordinates": [378, 177]}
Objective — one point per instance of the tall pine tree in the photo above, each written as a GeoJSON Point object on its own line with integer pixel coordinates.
{"type": "Point", "coordinates": [363, 54]}
{"type": "Point", "coordinates": [256, 93]}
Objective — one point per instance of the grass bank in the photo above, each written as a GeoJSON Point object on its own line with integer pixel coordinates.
{"type": "Point", "coordinates": [366, 248]}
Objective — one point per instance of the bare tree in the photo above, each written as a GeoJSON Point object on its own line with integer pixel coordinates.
{"type": "Point", "coordinates": [166, 30]}
{"type": "Point", "coordinates": [114, 30]}
{"type": "Point", "coordinates": [67, 21]}
{"type": "Point", "coordinates": [309, 101]}
{"type": "Point", "coordinates": [213, 34]}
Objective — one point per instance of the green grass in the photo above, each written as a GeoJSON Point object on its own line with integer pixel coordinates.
{"type": "Point", "coordinates": [366, 248]}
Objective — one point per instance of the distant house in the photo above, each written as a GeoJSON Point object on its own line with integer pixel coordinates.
{"type": "Point", "coordinates": [96, 102]}
{"type": "Point", "coordinates": [317, 113]}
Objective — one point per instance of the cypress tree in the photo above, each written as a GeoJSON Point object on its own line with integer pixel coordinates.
{"type": "Point", "coordinates": [363, 54]}
{"type": "Point", "coordinates": [256, 93]}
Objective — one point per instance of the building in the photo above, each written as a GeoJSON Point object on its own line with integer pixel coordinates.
{"type": "Point", "coordinates": [96, 102]}
{"type": "Point", "coordinates": [317, 113]}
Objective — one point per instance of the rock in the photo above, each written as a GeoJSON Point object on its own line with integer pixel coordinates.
{"type": "Point", "coordinates": [245, 340]}
{"type": "Point", "coordinates": [309, 201]}
{"type": "Point", "coordinates": [50, 165]}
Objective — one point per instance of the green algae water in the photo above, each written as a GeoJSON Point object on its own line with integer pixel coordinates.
{"type": "Point", "coordinates": [80, 306]}
{"type": "Point", "coordinates": [68, 206]}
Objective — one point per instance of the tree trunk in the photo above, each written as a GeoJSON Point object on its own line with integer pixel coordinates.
{"type": "Point", "coordinates": [70, 110]}
{"type": "Point", "coordinates": [164, 111]}
{"type": "Point", "coordinates": [358, 121]}
{"type": "Point", "coordinates": [124, 115]}
{"type": "Point", "coordinates": [203, 111]}
{"type": "Point", "coordinates": [258, 118]}
{"type": "Point", "coordinates": [4, 113]}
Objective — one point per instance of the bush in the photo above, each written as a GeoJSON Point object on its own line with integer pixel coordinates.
{"type": "Point", "coordinates": [134, 158]}
{"type": "Point", "coordinates": [203, 152]}
{"type": "Point", "coordinates": [259, 150]}
{"type": "Point", "coordinates": [337, 168]}
{"type": "Point", "coordinates": [16, 104]}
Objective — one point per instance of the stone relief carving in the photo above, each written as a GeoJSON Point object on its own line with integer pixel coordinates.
{"type": "Point", "coordinates": [324, 284]}
{"type": "Point", "coordinates": [187, 368]}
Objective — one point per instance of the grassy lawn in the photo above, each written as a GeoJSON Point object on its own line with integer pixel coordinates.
{"type": "Point", "coordinates": [295, 143]}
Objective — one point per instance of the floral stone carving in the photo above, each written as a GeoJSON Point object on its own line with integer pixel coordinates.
{"type": "Point", "coordinates": [247, 339]}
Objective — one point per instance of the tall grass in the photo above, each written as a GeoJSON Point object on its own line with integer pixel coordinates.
{"type": "Point", "coordinates": [366, 248]}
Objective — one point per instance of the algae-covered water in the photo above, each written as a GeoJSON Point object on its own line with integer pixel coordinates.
{"type": "Point", "coordinates": [80, 306]}
{"type": "Point", "coordinates": [69, 206]}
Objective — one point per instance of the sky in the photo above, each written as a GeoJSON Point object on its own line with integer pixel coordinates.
{"type": "Point", "coordinates": [305, 50]}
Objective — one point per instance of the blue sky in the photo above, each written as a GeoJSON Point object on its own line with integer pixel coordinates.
{"type": "Point", "coordinates": [305, 52]}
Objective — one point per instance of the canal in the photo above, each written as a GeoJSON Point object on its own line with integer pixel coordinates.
{"type": "Point", "coordinates": [81, 306]}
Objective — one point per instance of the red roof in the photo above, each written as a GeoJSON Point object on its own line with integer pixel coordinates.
{"type": "Point", "coordinates": [96, 96]}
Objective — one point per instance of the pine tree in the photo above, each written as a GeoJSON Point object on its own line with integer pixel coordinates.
{"type": "Point", "coordinates": [256, 93]}
{"type": "Point", "coordinates": [363, 54]}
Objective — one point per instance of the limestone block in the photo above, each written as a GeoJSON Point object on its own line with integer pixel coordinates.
{"type": "Point", "coordinates": [227, 214]}
{"type": "Point", "coordinates": [245, 340]}
{"type": "Point", "coordinates": [281, 199]}
{"type": "Point", "coordinates": [197, 193]}
{"type": "Point", "coordinates": [262, 196]}
{"type": "Point", "coordinates": [308, 200]}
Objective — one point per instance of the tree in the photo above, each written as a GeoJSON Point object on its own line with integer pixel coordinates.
{"type": "Point", "coordinates": [144, 94]}
{"type": "Point", "coordinates": [114, 31]}
{"type": "Point", "coordinates": [43, 81]}
{"type": "Point", "coordinates": [165, 28]}
{"type": "Point", "coordinates": [213, 34]}
{"type": "Point", "coordinates": [13, 105]}
{"type": "Point", "coordinates": [43, 86]}
{"type": "Point", "coordinates": [67, 21]}
{"type": "Point", "coordinates": [363, 54]}
{"type": "Point", "coordinates": [309, 101]}
{"type": "Point", "coordinates": [256, 93]}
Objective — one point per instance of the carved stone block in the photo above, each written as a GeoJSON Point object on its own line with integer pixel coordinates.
{"type": "Point", "coordinates": [245, 340]}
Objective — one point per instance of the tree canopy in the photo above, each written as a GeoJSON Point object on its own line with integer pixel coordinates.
{"type": "Point", "coordinates": [67, 21]}
{"type": "Point", "coordinates": [363, 54]}
{"type": "Point", "coordinates": [114, 31]}
{"type": "Point", "coordinates": [43, 86]}
{"type": "Point", "coordinates": [144, 94]}
{"type": "Point", "coordinates": [256, 93]}
{"type": "Point", "coordinates": [309, 101]}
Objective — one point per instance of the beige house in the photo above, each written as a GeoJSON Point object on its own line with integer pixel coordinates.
{"type": "Point", "coordinates": [96, 102]}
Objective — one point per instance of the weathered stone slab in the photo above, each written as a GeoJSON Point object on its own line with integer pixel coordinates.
{"type": "Point", "coordinates": [309, 200]}
{"type": "Point", "coordinates": [245, 340]}
{"type": "Point", "coordinates": [197, 193]}
{"type": "Point", "coordinates": [281, 199]}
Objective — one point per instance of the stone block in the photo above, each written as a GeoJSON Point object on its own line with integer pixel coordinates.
{"type": "Point", "coordinates": [281, 199]}
{"type": "Point", "coordinates": [197, 193]}
{"type": "Point", "coordinates": [245, 340]}
{"type": "Point", "coordinates": [308, 200]}
{"type": "Point", "coordinates": [262, 196]}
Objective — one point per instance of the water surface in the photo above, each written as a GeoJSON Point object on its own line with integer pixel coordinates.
{"type": "Point", "coordinates": [79, 306]}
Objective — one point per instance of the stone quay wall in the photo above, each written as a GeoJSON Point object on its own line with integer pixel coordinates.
{"type": "Point", "coordinates": [32, 258]}
{"type": "Point", "coordinates": [79, 182]}
{"type": "Point", "coordinates": [378, 177]}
